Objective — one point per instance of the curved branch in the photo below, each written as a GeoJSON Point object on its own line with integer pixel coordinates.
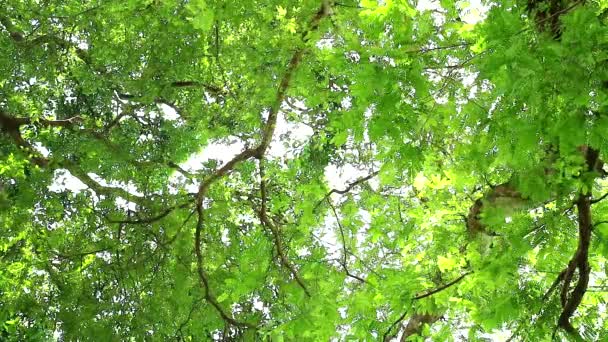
{"type": "Point", "coordinates": [296, 58]}
{"type": "Point", "coordinates": [580, 260]}
{"type": "Point", "coordinates": [441, 288]}
{"type": "Point", "coordinates": [47, 123]}
{"type": "Point", "coordinates": [598, 223]}
{"type": "Point", "coordinates": [204, 278]}
{"type": "Point", "coordinates": [20, 38]}
{"type": "Point", "coordinates": [276, 235]}
{"type": "Point", "coordinates": [152, 219]}
{"type": "Point", "coordinates": [599, 199]}
{"type": "Point", "coordinates": [10, 126]}
{"type": "Point", "coordinates": [258, 152]}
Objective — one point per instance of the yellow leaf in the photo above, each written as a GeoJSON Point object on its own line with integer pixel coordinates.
{"type": "Point", "coordinates": [420, 181]}
{"type": "Point", "coordinates": [446, 263]}
{"type": "Point", "coordinates": [281, 12]}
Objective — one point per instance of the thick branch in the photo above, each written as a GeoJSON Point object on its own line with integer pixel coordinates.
{"type": "Point", "coordinates": [296, 58]}
{"type": "Point", "coordinates": [12, 30]}
{"type": "Point", "coordinates": [11, 127]}
{"type": "Point", "coordinates": [212, 89]}
{"type": "Point", "coordinates": [274, 109]}
{"type": "Point", "coordinates": [580, 260]}
{"type": "Point", "coordinates": [503, 192]}
{"type": "Point", "coordinates": [204, 278]}
{"type": "Point", "coordinates": [416, 323]}
{"type": "Point", "coordinates": [8, 122]}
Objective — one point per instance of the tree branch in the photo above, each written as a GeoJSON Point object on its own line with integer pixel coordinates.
{"type": "Point", "coordinates": [387, 335]}
{"type": "Point", "coordinates": [258, 152]}
{"type": "Point", "coordinates": [441, 288]}
{"type": "Point", "coordinates": [416, 323]}
{"type": "Point", "coordinates": [99, 189]}
{"type": "Point", "coordinates": [203, 277]}
{"type": "Point", "coordinates": [418, 320]}
{"type": "Point", "coordinates": [599, 199]}
{"type": "Point", "coordinates": [152, 219]}
{"type": "Point", "coordinates": [344, 263]}
{"type": "Point", "coordinates": [278, 242]}
{"type": "Point", "coordinates": [447, 47]}
{"type": "Point", "coordinates": [348, 188]}
{"type": "Point", "coordinates": [20, 38]}
{"type": "Point", "coordinates": [598, 223]}
{"type": "Point", "coordinates": [571, 299]}
{"type": "Point", "coordinates": [11, 127]}
{"type": "Point", "coordinates": [15, 34]}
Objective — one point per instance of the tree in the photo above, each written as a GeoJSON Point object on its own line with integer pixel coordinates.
{"type": "Point", "coordinates": [475, 139]}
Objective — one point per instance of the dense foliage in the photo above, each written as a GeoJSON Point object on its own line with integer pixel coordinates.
{"type": "Point", "coordinates": [470, 137]}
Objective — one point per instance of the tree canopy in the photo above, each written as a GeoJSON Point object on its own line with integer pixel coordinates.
{"type": "Point", "coordinates": [311, 170]}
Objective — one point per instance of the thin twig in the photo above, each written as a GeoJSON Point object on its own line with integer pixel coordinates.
{"type": "Point", "coordinates": [344, 262]}
{"type": "Point", "coordinates": [152, 219]}
{"type": "Point", "coordinates": [426, 50]}
{"type": "Point", "coordinates": [441, 288]}
{"type": "Point", "coordinates": [595, 200]}
{"type": "Point", "coordinates": [348, 188]}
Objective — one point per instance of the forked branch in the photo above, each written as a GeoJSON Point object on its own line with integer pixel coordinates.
{"type": "Point", "coordinates": [572, 298]}
{"type": "Point", "coordinates": [257, 152]}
